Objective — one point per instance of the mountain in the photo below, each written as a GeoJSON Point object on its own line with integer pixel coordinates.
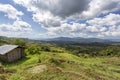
{"type": "Point", "coordinates": [115, 40]}
{"type": "Point", "coordinates": [78, 39]}
{"type": "Point", "coordinates": [63, 39]}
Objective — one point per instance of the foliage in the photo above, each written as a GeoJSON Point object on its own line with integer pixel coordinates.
{"type": "Point", "coordinates": [16, 77]}
{"type": "Point", "coordinates": [45, 48]}
{"type": "Point", "coordinates": [33, 49]}
{"type": "Point", "coordinates": [65, 62]}
{"type": "Point", "coordinates": [19, 42]}
{"type": "Point", "coordinates": [64, 66]}
{"type": "Point", "coordinates": [93, 51]}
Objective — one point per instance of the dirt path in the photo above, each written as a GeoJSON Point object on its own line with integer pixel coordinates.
{"type": "Point", "coordinates": [38, 69]}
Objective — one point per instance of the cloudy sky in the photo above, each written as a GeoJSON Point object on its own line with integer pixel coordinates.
{"type": "Point", "coordinates": [60, 18]}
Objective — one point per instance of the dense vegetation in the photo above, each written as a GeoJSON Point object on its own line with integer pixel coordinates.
{"type": "Point", "coordinates": [93, 50]}
{"type": "Point", "coordinates": [78, 61]}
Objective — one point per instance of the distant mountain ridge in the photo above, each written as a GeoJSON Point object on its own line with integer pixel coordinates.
{"type": "Point", "coordinates": [64, 39]}
{"type": "Point", "coordinates": [78, 39]}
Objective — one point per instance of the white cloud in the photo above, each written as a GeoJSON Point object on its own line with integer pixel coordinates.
{"type": "Point", "coordinates": [107, 21]}
{"type": "Point", "coordinates": [53, 15]}
{"type": "Point", "coordinates": [106, 27]}
{"type": "Point", "coordinates": [111, 19]}
{"type": "Point", "coordinates": [62, 8]}
{"type": "Point", "coordinates": [10, 11]}
{"type": "Point", "coordinates": [17, 29]}
{"type": "Point", "coordinates": [47, 19]}
{"type": "Point", "coordinates": [98, 7]}
{"type": "Point", "coordinates": [75, 30]}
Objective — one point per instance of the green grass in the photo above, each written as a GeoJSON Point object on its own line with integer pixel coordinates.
{"type": "Point", "coordinates": [64, 66]}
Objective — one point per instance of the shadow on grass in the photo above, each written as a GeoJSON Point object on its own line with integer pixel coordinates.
{"type": "Point", "coordinates": [18, 62]}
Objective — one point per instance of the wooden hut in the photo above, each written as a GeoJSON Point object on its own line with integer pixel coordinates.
{"type": "Point", "coordinates": [11, 53]}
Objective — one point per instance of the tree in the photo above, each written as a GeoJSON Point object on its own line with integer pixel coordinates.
{"type": "Point", "coordinates": [20, 42]}
{"type": "Point", "coordinates": [33, 49]}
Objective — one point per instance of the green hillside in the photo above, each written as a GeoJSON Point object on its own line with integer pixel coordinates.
{"type": "Point", "coordinates": [45, 61]}
{"type": "Point", "coordinates": [62, 66]}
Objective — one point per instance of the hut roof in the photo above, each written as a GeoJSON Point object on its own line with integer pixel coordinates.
{"type": "Point", "coordinates": [7, 48]}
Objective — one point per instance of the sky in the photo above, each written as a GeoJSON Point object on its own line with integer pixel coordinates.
{"type": "Point", "coordinates": [39, 19]}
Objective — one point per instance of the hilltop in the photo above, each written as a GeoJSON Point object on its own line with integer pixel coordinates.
{"type": "Point", "coordinates": [49, 61]}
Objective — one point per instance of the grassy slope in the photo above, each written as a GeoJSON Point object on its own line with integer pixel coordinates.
{"type": "Point", "coordinates": [63, 66]}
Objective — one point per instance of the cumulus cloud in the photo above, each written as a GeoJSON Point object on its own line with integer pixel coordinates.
{"type": "Point", "coordinates": [10, 11]}
{"type": "Point", "coordinates": [18, 28]}
{"type": "Point", "coordinates": [54, 14]}
{"type": "Point", "coordinates": [108, 26]}
{"type": "Point", "coordinates": [62, 8]}
{"type": "Point", "coordinates": [109, 20]}
{"type": "Point", "coordinates": [47, 19]}
{"type": "Point", "coordinates": [98, 7]}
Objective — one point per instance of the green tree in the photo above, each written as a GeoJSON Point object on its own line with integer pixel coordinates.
{"type": "Point", "coordinates": [20, 42]}
{"type": "Point", "coordinates": [33, 49]}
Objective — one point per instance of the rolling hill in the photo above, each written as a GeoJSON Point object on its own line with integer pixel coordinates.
{"type": "Point", "coordinates": [78, 39]}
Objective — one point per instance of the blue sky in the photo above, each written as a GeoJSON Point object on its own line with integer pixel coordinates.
{"type": "Point", "coordinates": [39, 19]}
{"type": "Point", "coordinates": [27, 17]}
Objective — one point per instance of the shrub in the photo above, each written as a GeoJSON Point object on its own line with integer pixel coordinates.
{"type": "Point", "coordinates": [33, 49]}
{"type": "Point", "coordinates": [45, 48]}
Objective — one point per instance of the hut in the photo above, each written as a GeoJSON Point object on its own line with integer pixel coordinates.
{"type": "Point", "coordinates": [11, 53]}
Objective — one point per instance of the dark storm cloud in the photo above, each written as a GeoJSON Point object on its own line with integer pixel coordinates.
{"type": "Point", "coordinates": [70, 7]}
{"type": "Point", "coordinates": [63, 8]}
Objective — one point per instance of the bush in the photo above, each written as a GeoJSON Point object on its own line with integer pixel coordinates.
{"type": "Point", "coordinates": [33, 49]}
{"type": "Point", "coordinates": [84, 55]}
{"type": "Point", "coordinates": [20, 42]}
{"type": "Point", "coordinates": [45, 48]}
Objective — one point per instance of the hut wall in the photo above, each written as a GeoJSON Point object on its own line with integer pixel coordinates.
{"type": "Point", "coordinates": [14, 55]}
{"type": "Point", "coordinates": [3, 58]}
{"type": "Point", "coordinates": [22, 52]}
